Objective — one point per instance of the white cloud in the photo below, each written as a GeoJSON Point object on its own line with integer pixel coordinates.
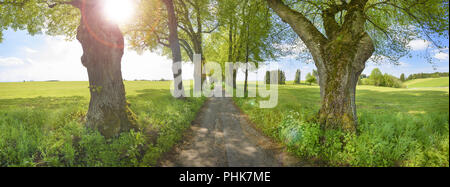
{"type": "Point", "coordinates": [441, 56]}
{"type": "Point", "coordinates": [58, 59]}
{"type": "Point", "coordinates": [150, 66]}
{"type": "Point", "coordinates": [403, 64]}
{"type": "Point", "coordinates": [29, 50]}
{"type": "Point", "coordinates": [440, 50]}
{"type": "Point", "coordinates": [10, 61]}
{"type": "Point", "coordinates": [419, 45]}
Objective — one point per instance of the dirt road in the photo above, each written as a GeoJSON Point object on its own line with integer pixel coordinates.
{"type": "Point", "coordinates": [222, 137]}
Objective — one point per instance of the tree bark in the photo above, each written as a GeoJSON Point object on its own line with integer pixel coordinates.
{"type": "Point", "coordinates": [246, 81]}
{"type": "Point", "coordinates": [230, 46]}
{"type": "Point", "coordinates": [103, 48]}
{"type": "Point", "coordinates": [234, 78]}
{"type": "Point", "coordinates": [247, 54]}
{"type": "Point", "coordinates": [340, 58]}
{"type": "Point", "coordinates": [338, 100]}
{"type": "Point", "coordinates": [345, 60]}
{"type": "Point", "coordinates": [176, 50]}
{"type": "Point", "coordinates": [195, 35]}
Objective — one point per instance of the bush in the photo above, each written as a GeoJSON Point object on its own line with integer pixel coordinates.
{"type": "Point", "coordinates": [391, 81]}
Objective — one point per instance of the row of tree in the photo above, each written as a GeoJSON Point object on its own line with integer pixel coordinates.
{"type": "Point", "coordinates": [310, 77]}
{"type": "Point", "coordinates": [281, 76]}
{"type": "Point", "coordinates": [339, 36]}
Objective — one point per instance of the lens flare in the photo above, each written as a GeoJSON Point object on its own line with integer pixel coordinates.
{"type": "Point", "coordinates": [118, 11]}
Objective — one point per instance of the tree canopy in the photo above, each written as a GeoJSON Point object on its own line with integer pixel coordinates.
{"type": "Point", "coordinates": [52, 17]}
{"type": "Point", "coordinates": [391, 24]}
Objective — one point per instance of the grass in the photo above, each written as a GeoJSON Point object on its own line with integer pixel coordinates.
{"type": "Point", "coordinates": [41, 124]}
{"type": "Point", "coordinates": [430, 82]}
{"type": "Point", "coordinates": [397, 127]}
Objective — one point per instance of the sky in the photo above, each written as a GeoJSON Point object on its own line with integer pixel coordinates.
{"type": "Point", "coordinates": [42, 58]}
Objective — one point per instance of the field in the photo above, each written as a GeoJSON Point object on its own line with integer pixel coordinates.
{"type": "Point", "coordinates": [397, 127]}
{"type": "Point", "coordinates": [430, 82]}
{"type": "Point", "coordinates": [41, 125]}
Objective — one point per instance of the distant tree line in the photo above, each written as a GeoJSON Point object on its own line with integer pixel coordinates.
{"type": "Point", "coordinates": [427, 75]}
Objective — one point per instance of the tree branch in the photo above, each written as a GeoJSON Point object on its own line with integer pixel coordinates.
{"type": "Point", "coordinates": [212, 30]}
{"type": "Point", "coordinates": [187, 48]}
{"type": "Point", "coordinates": [309, 34]}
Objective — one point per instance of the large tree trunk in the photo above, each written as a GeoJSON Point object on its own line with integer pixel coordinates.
{"type": "Point", "coordinates": [176, 50]}
{"type": "Point", "coordinates": [340, 58]}
{"type": "Point", "coordinates": [103, 48]}
{"type": "Point", "coordinates": [338, 101]}
{"type": "Point", "coordinates": [343, 62]}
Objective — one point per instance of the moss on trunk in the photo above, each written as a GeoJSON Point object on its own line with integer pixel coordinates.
{"type": "Point", "coordinates": [338, 110]}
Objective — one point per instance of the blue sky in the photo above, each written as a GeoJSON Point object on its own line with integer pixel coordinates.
{"type": "Point", "coordinates": [41, 57]}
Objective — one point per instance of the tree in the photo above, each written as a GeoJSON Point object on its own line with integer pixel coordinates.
{"type": "Point", "coordinates": [150, 32]}
{"type": "Point", "coordinates": [342, 35]}
{"type": "Point", "coordinates": [316, 75]}
{"type": "Point", "coordinates": [280, 76]}
{"type": "Point", "coordinates": [245, 29]}
{"type": "Point", "coordinates": [376, 78]}
{"type": "Point", "coordinates": [193, 19]}
{"type": "Point", "coordinates": [391, 81]}
{"type": "Point", "coordinates": [402, 77]}
{"type": "Point", "coordinates": [103, 47]}
{"type": "Point", "coordinates": [298, 77]}
{"type": "Point", "coordinates": [175, 47]}
{"type": "Point", "coordinates": [310, 78]}
{"type": "Point", "coordinates": [196, 17]}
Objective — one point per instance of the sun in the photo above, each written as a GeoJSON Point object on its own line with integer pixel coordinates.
{"type": "Point", "coordinates": [118, 11]}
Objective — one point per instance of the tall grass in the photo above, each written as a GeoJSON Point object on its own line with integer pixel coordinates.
{"type": "Point", "coordinates": [50, 131]}
{"type": "Point", "coordinates": [389, 134]}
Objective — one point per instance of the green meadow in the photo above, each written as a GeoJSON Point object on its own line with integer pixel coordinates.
{"type": "Point", "coordinates": [397, 126]}
{"type": "Point", "coordinates": [41, 124]}
{"type": "Point", "coordinates": [430, 82]}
